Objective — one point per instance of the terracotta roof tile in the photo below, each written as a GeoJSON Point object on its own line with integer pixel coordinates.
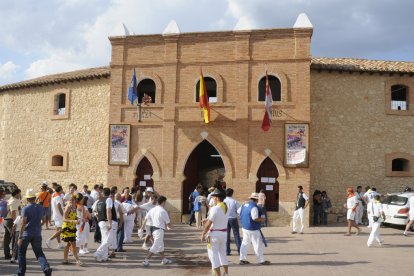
{"type": "Point", "coordinates": [318, 63]}
{"type": "Point", "coordinates": [362, 65]}
{"type": "Point", "coordinates": [84, 74]}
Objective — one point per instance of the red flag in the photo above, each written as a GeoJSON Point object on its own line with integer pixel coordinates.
{"type": "Point", "coordinates": [267, 119]}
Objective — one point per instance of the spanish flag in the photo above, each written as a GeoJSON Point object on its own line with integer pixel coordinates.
{"type": "Point", "coordinates": [267, 118]}
{"type": "Point", "coordinates": [203, 99]}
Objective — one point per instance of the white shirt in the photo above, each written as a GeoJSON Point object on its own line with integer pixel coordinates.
{"type": "Point", "coordinates": [18, 222]}
{"type": "Point", "coordinates": [219, 219]}
{"type": "Point", "coordinates": [56, 200]}
{"type": "Point", "coordinates": [94, 195]}
{"type": "Point", "coordinates": [374, 209]}
{"type": "Point", "coordinates": [351, 202]}
{"type": "Point", "coordinates": [147, 206]}
{"type": "Point", "coordinates": [117, 205]}
{"type": "Point", "coordinates": [159, 217]}
{"type": "Point", "coordinates": [411, 201]}
{"type": "Point", "coordinates": [232, 206]}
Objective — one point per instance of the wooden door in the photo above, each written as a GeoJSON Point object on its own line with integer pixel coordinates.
{"type": "Point", "coordinates": [267, 180]}
{"type": "Point", "coordinates": [144, 175]}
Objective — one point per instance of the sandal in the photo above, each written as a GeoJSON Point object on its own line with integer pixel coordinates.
{"type": "Point", "coordinates": [79, 263]}
{"type": "Point", "coordinates": [65, 262]}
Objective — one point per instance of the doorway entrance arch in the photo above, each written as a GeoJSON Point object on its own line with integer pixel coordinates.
{"type": "Point", "coordinates": [205, 166]}
{"type": "Point", "coordinates": [144, 174]}
{"type": "Point", "coordinates": [267, 175]}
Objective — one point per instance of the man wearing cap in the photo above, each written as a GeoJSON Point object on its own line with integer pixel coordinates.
{"type": "Point", "coordinates": [31, 233]}
{"type": "Point", "coordinates": [251, 220]}
{"type": "Point", "coordinates": [302, 201]}
{"type": "Point", "coordinates": [215, 233]}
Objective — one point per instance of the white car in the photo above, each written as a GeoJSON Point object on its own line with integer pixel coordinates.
{"type": "Point", "coordinates": [396, 207]}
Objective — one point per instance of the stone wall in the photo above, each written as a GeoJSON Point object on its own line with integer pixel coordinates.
{"type": "Point", "coordinates": [28, 134]}
{"type": "Point", "coordinates": [352, 134]}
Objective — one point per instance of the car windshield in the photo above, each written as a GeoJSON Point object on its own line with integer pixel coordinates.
{"type": "Point", "coordinates": [396, 200]}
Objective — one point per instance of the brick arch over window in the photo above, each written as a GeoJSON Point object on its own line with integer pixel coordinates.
{"type": "Point", "coordinates": [159, 88]}
{"type": "Point", "coordinates": [286, 95]}
{"type": "Point", "coordinates": [399, 164]}
{"type": "Point", "coordinates": [185, 154]}
{"type": "Point", "coordinates": [219, 84]}
{"type": "Point", "coordinates": [399, 98]}
{"type": "Point", "coordinates": [258, 160]}
{"type": "Point", "coordinates": [275, 88]}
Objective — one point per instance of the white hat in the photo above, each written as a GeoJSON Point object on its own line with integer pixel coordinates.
{"type": "Point", "coordinates": [254, 196]}
{"type": "Point", "coordinates": [149, 189]}
{"type": "Point", "coordinates": [30, 194]}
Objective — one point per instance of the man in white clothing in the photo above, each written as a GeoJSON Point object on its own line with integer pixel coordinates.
{"type": "Point", "coordinates": [106, 213]}
{"type": "Point", "coordinates": [160, 221]}
{"type": "Point", "coordinates": [302, 201]}
{"type": "Point", "coordinates": [57, 216]}
{"type": "Point", "coordinates": [411, 215]}
{"type": "Point", "coordinates": [376, 212]}
{"type": "Point", "coordinates": [360, 209]}
{"type": "Point", "coordinates": [95, 193]}
{"type": "Point", "coordinates": [129, 217]}
{"type": "Point", "coordinates": [147, 221]}
{"type": "Point", "coordinates": [215, 233]}
{"type": "Point", "coordinates": [251, 219]}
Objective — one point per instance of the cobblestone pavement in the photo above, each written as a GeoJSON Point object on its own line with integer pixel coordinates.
{"type": "Point", "coordinates": [321, 251]}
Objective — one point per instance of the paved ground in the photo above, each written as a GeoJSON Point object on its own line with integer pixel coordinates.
{"type": "Point", "coordinates": [321, 251]}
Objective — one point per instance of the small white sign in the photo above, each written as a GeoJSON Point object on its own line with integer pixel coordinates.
{"type": "Point", "coordinates": [272, 179]}
{"type": "Point", "coordinates": [264, 179]}
{"type": "Point", "coordinates": [269, 187]}
{"type": "Point", "coordinates": [143, 183]}
{"type": "Point", "coordinates": [147, 176]}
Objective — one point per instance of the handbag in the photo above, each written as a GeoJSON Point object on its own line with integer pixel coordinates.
{"type": "Point", "coordinates": [374, 218]}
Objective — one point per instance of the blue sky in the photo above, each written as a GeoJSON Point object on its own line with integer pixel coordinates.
{"type": "Point", "coordinates": [50, 36]}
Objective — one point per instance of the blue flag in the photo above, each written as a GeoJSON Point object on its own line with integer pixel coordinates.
{"type": "Point", "coordinates": [132, 90]}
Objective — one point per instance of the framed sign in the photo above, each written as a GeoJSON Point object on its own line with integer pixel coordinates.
{"type": "Point", "coordinates": [297, 145]}
{"type": "Point", "coordinates": [119, 140]}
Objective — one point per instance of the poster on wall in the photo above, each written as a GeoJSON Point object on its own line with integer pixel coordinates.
{"type": "Point", "coordinates": [297, 145]}
{"type": "Point", "coordinates": [119, 136]}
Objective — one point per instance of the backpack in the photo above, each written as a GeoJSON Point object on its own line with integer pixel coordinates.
{"type": "Point", "coordinates": [101, 209]}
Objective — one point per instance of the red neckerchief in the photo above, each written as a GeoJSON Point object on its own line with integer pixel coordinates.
{"type": "Point", "coordinates": [55, 194]}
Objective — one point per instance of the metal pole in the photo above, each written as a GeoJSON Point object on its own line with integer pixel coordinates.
{"type": "Point", "coordinates": [139, 112]}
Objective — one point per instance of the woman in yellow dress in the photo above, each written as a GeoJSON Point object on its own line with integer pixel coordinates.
{"type": "Point", "coordinates": [69, 230]}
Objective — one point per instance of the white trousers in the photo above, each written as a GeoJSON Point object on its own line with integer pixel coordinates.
{"type": "Point", "coordinates": [158, 245]}
{"type": "Point", "coordinates": [106, 241]}
{"type": "Point", "coordinates": [114, 236]}
{"type": "Point", "coordinates": [359, 212]}
{"type": "Point", "coordinates": [217, 251]}
{"type": "Point", "coordinates": [299, 213]}
{"type": "Point", "coordinates": [82, 237]}
{"type": "Point", "coordinates": [375, 233]}
{"type": "Point", "coordinates": [128, 228]}
{"type": "Point", "coordinates": [253, 237]}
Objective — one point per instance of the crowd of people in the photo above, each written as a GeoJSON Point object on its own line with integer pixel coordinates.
{"type": "Point", "coordinates": [112, 216]}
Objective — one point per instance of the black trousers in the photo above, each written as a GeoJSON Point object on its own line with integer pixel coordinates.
{"type": "Point", "coordinates": [8, 225]}
{"type": "Point", "coordinates": [97, 235]}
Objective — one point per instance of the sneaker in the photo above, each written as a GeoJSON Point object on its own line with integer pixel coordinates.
{"type": "Point", "coordinates": [12, 260]}
{"type": "Point", "coordinates": [145, 263]}
{"type": "Point", "coordinates": [48, 243]}
{"type": "Point", "coordinates": [166, 261]}
{"type": "Point", "coordinates": [86, 250]}
{"type": "Point", "coordinates": [405, 233]}
{"type": "Point", "coordinates": [81, 252]}
{"type": "Point", "coordinates": [265, 263]}
{"type": "Point", "coordinates": [98, 259]}
{"type": "Point", "coordinates": [48, 272]}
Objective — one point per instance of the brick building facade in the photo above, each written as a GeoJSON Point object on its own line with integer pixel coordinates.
{"type": "Point", "coordinates": [357, 135]}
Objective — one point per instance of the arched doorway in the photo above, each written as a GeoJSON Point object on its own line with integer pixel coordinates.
{"type": "Point", "coordinates": [144, 175]}
{"type": "Point", "coordinates": [205, 166]}
{"type": "Point", "coordinates": [267, 175]}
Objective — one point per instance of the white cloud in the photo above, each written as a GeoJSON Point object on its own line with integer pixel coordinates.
{"type": "Point", "coordinates": [8, 70]}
